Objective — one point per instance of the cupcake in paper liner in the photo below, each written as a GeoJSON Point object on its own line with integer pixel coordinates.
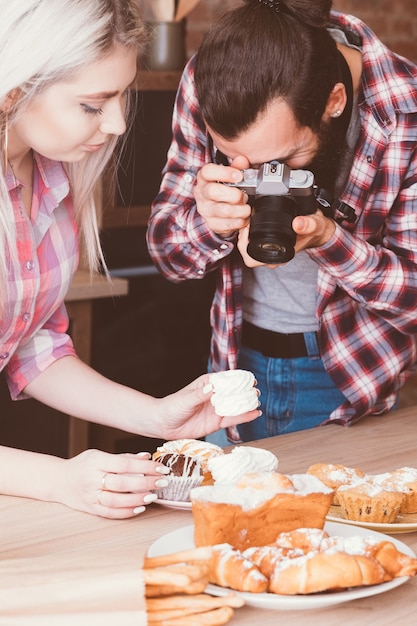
{"type": "Point", "coordinates": [186, 473]}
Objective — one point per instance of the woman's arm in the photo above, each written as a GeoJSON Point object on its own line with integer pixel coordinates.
{"type": "Point", "coordinates": [73, 387]}
{"type": "Point", "coordinates": [109, 485]}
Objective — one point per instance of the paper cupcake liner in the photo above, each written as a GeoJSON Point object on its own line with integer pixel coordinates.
{"type": "Point", "coordinates": [178, 488]}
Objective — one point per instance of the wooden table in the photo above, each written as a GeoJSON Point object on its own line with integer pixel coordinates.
{"type": "Point", "coordinates": [79, 302]}
{"type": "Point", "coordinates": [58, 566]}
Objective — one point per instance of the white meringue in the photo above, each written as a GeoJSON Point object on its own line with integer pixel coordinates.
{"type": "Point", "coordinates": [234, 392]}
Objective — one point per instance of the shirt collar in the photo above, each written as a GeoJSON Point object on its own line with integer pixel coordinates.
{"type": "Point", "coordinates": [52, 174]}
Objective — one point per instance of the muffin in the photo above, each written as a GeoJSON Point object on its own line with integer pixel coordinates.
{"type": "Point", "coordinates": [335, 475]}
{"type": "Point", "coordinates": [234, 392]}
{"type": "Point", "coordinates": [403, 480]}
{"type": "Point", "coordinates": [256, 508]}
{"type": "Point", "coordinates": [187, 460]}
{"type": "Point", "coordinates": [369, 502]}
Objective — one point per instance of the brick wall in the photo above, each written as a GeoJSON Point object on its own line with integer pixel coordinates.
{"type": "Point", "coordinates": [395, 23]}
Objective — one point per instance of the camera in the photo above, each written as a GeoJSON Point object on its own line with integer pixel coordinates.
{"type": "Point", "coordinates": [277, 194]}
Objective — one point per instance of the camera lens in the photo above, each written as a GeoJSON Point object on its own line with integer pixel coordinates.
{"type": "Point", "coordinates": [271, 237]}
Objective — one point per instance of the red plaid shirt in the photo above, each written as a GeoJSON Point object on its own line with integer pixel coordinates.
{"type": "Point", "coordinates": [33, 327]}
{"type": "Point", "coordinates": [367, 282]}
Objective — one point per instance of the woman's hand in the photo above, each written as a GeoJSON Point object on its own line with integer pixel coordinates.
{"type": "Point", "coordinates": [188, 413]}
{"type": "Point", "coordinates": [116, 486]}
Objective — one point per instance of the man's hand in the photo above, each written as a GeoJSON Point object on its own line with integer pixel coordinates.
{"type": "Point", "coordinates": [311, 230]}
{"type": "Point", "coordinates": [225, 209]}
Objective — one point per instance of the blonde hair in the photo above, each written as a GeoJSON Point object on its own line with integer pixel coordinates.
{"type": "Point", "coordinates": [43, 42]}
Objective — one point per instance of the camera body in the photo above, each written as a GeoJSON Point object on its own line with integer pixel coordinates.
{"type": "Point", "coordinates": [277, 194]}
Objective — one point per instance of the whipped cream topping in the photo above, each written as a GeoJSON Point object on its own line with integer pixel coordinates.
{"type": "Point", "coordinates": [241, 460]}
{"type": "Point", "coordinates": [234, 392]}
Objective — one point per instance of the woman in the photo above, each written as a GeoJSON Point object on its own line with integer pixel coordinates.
{"type": "Point", "coordinates": [66, 67]}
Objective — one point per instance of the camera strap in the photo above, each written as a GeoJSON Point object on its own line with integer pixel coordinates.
{"type": "Point", "coordinates": [334, 209]}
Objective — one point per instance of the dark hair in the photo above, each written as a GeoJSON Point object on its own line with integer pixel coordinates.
{"type": "Point", "coordinates": [255, 54]}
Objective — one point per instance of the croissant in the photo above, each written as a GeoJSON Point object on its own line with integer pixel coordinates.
{"type": "Point", "coordinates": [306, 561]}
{"type": "Point", "coordinates": [325, 571]}
{"type": "Point", "coordinates": [394, 562]}
{"type": "Point", "coordinates": [268, 557]}
{"type": "Point", "coordinates": [229, 568]}
{"type": "Point", "coordinates": [305, 539]}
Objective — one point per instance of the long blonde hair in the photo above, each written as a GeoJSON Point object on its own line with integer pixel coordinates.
{"type": "Point", "coordinates": [43, 42]}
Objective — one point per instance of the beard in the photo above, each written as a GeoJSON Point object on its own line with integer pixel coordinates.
{"type": "Point", "coordinates": [328, 159]}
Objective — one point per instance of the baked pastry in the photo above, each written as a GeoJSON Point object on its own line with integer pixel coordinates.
{"type": "Point", "coordinates": [230, 568]}
{"type": "Point", "coordinates": [335, 475]}
{"type": "Point", "coordinates": [369, 502]}
{"type": "Point", "coordinates": [325, 571]}
{"type": "Point", "coordinates": [303, 539]}
{"type": "Point", "coordinates": [325, 563]}
{"type": "Point", "coordinates": [268, 557]}
{"type": "Point", "coordinates": [403, 480]}
{"type": "Point", "coordinates": [394, 562]}
{"type": "Point", "coordinates": [253, 511]}
{"type": "Point", "coordinates": [234, 392]}
{"type": "Point", "coordinates": [187, 460]}
{"type": "Point", "coordinates": [229, 467]}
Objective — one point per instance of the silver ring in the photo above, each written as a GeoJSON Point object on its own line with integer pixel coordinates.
{"type": "Point", "coordinates": [103, 482]}
{"type": "Point", "coordinates": [99, 492]}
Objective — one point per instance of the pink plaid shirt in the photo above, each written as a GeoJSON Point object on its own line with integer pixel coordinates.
{"type": "Point", "coordinates": [34, 324]}
{"type": "Point", "coordinates": [367, 283]}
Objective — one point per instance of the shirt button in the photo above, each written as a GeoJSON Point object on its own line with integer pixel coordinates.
{"type": "Point", "coordinates": [26, 317]}
{"type": "Point", "coordinates": [188, 178]}
{"type": "Point", "coordinates": [223, 246]}
{"type": "Point", "coordinates": [4, 355]}
{"type": "Point", "coordinates": [200, 272]}
{"type": "Point", "coordinates": [30, 265]}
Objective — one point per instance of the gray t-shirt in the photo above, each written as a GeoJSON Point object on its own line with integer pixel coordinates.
{"type": "Point", "coordinates": [282, 299]}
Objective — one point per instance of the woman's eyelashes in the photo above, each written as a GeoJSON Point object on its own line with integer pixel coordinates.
{"type": "Point", "coordinates": [91, 110]}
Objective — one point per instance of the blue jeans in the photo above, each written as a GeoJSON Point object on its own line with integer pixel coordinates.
{"type": "Point", "coordinates": [296, 394]}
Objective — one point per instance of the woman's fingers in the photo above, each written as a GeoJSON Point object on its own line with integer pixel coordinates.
{"type": "Point", "coordinates": [114, 485]}
{"type": "Point", "coordinates": [131, 483]}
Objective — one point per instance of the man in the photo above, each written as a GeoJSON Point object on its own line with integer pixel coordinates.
{"type": "Point", "coordinates": [328, 333]}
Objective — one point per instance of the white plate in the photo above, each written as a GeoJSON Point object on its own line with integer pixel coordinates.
{"type": "Point", "coordinates": [174, 504]}
{"type": "Point", "coordinates": [394, 528]}
{"type": "Point", "coordinates": [182, 539]}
